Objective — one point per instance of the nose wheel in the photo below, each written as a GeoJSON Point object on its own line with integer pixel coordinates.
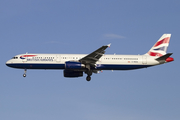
{"type": "Point", "coordinates": [24, 75]}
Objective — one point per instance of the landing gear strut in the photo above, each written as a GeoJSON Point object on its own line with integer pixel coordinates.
{"type": "Point", "coordinates": [89, 73]}
{"type": "Point", "coordinates": [24, 75]}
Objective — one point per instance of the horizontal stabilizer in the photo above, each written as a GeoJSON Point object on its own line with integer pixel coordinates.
{"type": "Point", "coordinates": [163, 58]}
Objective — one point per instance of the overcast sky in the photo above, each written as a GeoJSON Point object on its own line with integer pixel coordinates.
{"type": "Point", "coordinates": [82, 26]}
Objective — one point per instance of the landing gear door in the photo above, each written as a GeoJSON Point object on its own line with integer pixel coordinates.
{"type": "Point", "coordinates": [58, 58]}
{"type": "Point", "coordinates": [144, 59]}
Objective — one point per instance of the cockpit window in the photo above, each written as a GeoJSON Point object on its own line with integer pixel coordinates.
{"type": "Point", "coordinates": [15, 58]}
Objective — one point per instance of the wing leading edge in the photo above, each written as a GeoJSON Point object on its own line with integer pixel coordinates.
{"type": "Point", "coordinates": [93, 57]}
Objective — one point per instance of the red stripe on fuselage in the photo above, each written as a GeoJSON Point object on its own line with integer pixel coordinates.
{"type": "Point", "coordinates": [165, 40]}
{"type": "Point", "coordinates": [29, 55]}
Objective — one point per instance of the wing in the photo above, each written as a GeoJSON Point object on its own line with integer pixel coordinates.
{"type": "Point", "coordinates": [93, 57]}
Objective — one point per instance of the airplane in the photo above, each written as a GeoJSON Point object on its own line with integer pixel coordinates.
{"type": "Point", "coordinates": [75, 64]}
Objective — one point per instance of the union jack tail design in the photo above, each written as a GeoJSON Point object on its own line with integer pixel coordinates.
{"type": "Point", "coordinates": [160, 48]}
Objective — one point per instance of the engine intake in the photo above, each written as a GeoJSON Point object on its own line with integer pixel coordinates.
{"type": "Point", "coordinates": [73, 65]}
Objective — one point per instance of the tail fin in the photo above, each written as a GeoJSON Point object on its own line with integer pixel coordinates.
{"type": "Point", "coordinates": [160, 48]}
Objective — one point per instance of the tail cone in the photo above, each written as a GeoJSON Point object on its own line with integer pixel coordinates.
{"type": "Point", "coordinates": [169, 59]}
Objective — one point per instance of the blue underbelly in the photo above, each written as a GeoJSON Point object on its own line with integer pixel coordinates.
{"type": "Point", "coordinates": [62, 66]}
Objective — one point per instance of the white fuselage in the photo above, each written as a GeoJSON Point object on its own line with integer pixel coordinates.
{"type": "Point", "coordinates": [57, 61]}
{"type": "Point", "coordinates": [75, 64]}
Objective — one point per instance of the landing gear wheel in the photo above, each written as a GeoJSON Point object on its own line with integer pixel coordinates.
{"type": "Point", "coordinates": [88, 78]}
{"type": "Point", "coordinates": [24, 75]}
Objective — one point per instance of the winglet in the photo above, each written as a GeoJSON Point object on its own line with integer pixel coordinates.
{"type": "Point", "coordinates": [109, 45]}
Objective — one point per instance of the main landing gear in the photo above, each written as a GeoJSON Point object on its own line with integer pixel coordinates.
{"type": "Point", "coordinates": [24, 75]}
{"type": "Point", "coordinates": [88, 78]}
{"type": "Point", "coordinates": [89, 73]}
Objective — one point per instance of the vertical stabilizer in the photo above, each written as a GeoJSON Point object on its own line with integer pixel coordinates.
{"type": "Point", "coordinates": [160, 47]}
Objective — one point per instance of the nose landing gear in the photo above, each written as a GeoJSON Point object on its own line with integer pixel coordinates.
{"type": "Point", "coordinates": [24, 75]}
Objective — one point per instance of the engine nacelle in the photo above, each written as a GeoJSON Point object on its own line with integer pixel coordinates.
{"type": "Point", "coordinates": [71, 73]}
{"type": "Point", "coordinates": [73, 65]}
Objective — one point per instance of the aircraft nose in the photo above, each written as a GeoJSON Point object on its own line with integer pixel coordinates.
{"type": "Point", "coordinates": [8, 63]}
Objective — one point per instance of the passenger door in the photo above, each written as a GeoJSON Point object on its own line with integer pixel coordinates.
{"type": "Point", "coordinates": [24, 58]}
{"type": "Point", "coordinates": [58, 58]}
{"type": "Point", "coordinates": [144, 59]}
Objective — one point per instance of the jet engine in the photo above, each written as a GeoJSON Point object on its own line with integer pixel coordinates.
{"type": "Point", "coordinates": [74, 65]}
{"type": "Point", "coordinates": [72, 73]}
